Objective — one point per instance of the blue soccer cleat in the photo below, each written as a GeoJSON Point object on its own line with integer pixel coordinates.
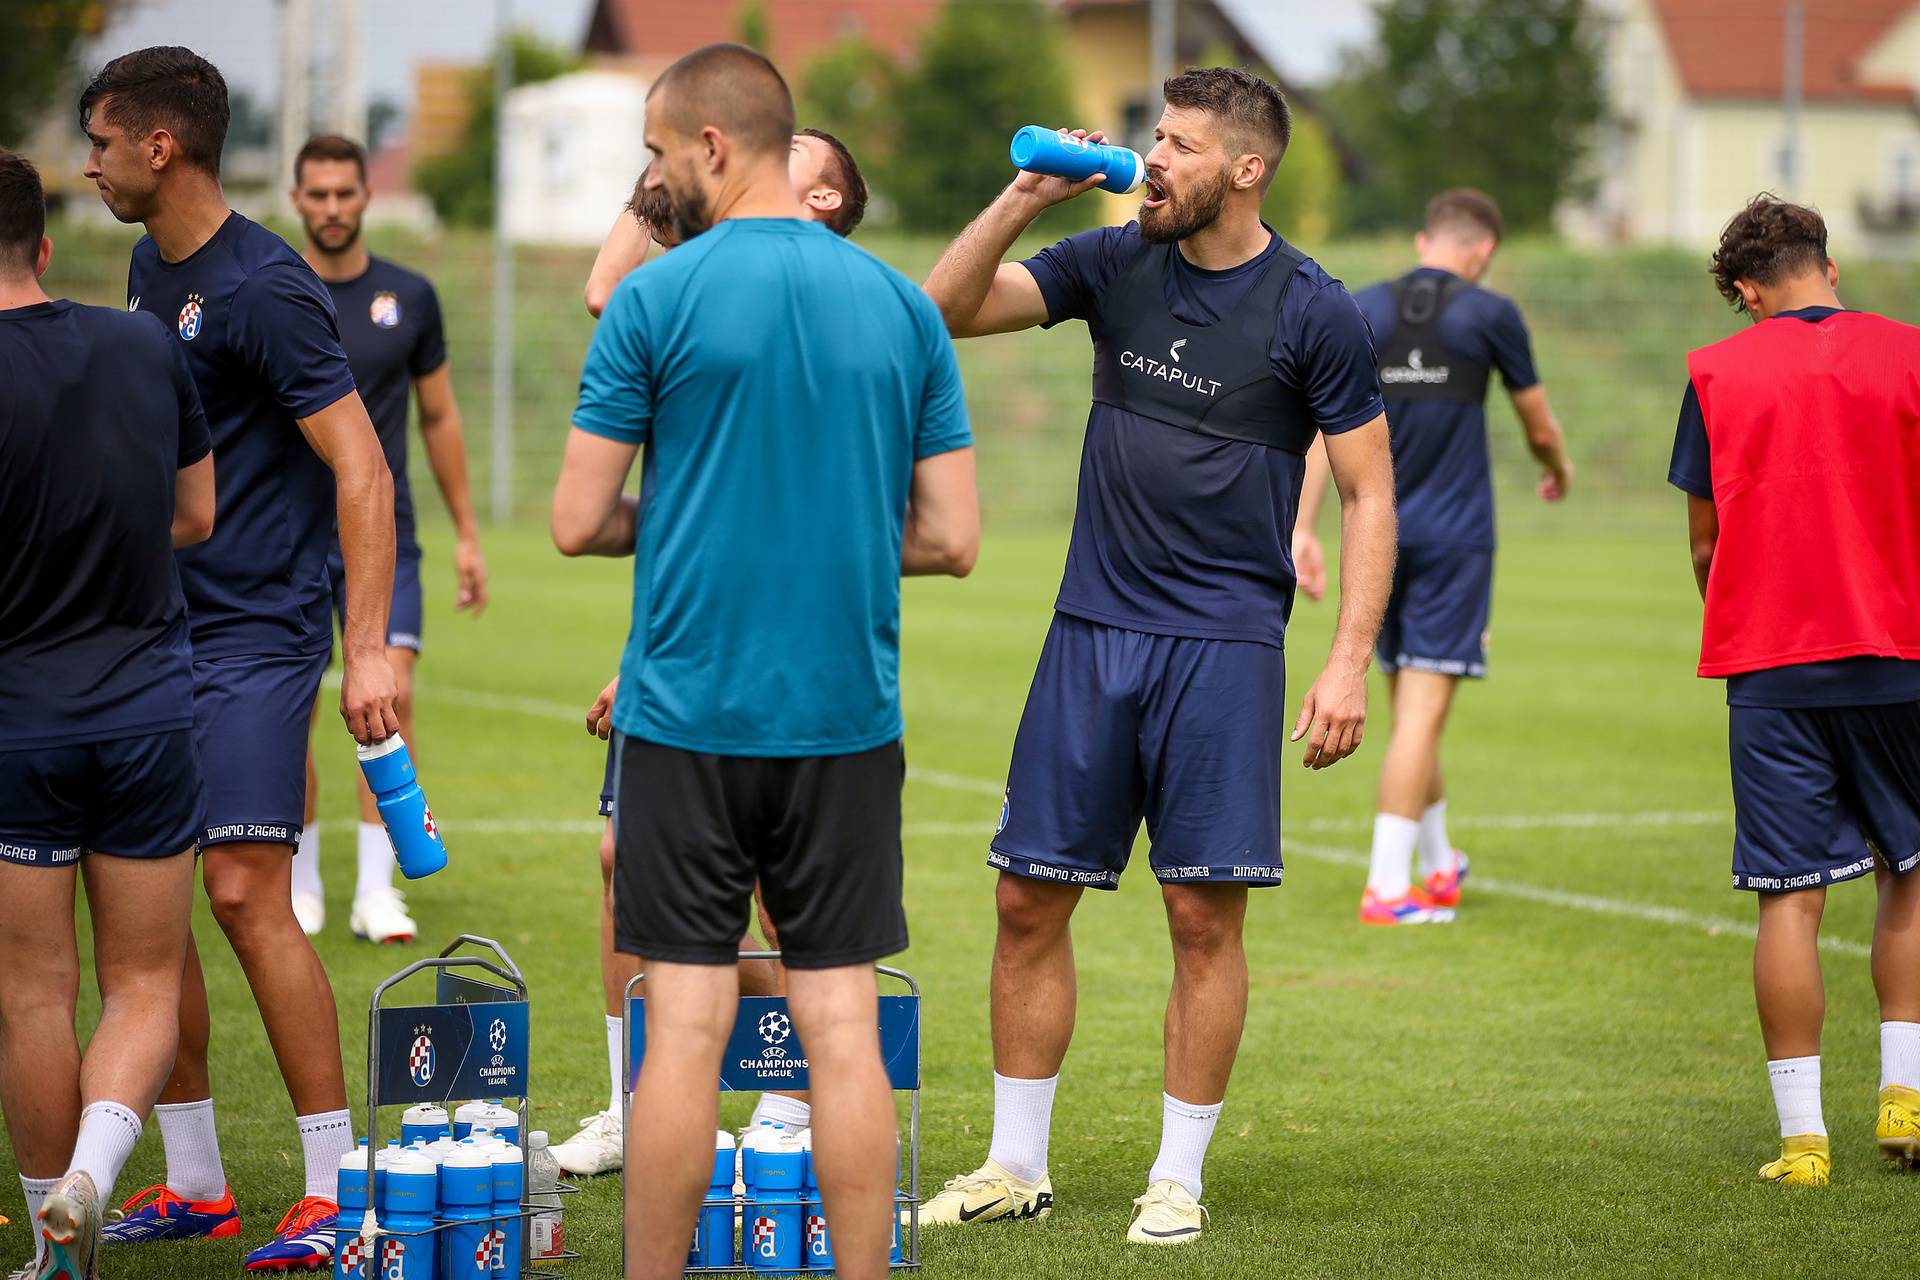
{"type": "Point", "coordinates": [302, 1242]}
{"type": "Point", "coordinates": [159, 1214]}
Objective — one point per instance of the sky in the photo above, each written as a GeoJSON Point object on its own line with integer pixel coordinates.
{"type": "Point", "coordinates": [242, 36]}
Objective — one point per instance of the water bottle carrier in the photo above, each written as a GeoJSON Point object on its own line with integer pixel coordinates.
{"type": "Point", "coordinates": [762, 1027]}
{"type": "Point", "coordinates": [486, 1021]}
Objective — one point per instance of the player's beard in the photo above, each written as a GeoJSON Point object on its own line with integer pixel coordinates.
{"type": "Point", "coordinates": [692, 213]}
{"type": "Point", "coordinates": [1188, 212]}
{"type": "Point", "coordinates": [326, 246]}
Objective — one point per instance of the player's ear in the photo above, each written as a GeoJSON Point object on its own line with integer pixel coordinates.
{"type": "Point", "coordinates": [825, 199]}
{"type": "Point", "coordinates": [42, 257]}
{"type": "Point", "coordinates": [1833, 274]}
{"type": "Point", "coordinates": [160, 149]}
{"type": "Point", "coordinates": [1248, 171]}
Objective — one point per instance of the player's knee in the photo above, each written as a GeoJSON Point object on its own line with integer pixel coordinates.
{"type": "Point", "coordinates": [1202, 928]}
{"type": "Point", "coordinates": [1030, 911]}
{"type": "Point", "coordinates": [606, 857]}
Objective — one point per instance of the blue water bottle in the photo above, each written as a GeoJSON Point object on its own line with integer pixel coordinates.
{"type": "Point", "coordinates": [424, 1123]}
{"type": "Point", "coordinates": [1058, 152]}
{"type": "Point", "coordinates": [509, 1179]}
{"type": "Point", "coordinates": [818, 1243]}
{"type": "Point", "coordinates": [466, 1206]}
{"type": "Point", "coordinates": [351, 1194]}
{"type": "Point", "coordinates": [407, 1214]}
{"type": "Point", "coordinates": [773, 1242]}
{"type": "Point", "coordinates": [403, 807]}
{"type": "Point", "coordinates": [713, 1234]}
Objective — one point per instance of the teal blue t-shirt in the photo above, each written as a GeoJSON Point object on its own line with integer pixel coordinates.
{"type": "Point", "coordinates": [783, 383]}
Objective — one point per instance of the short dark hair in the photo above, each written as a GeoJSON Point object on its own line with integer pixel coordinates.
{"type": "Point", "coordinates": [23, 213]}
{"type": "Point", "coordinates": [843, 175]}
{"type": "Point", "coordinates": [165, 87]}
{"type": "Point", "coordinates": [1255, 113]}
{"type": "Point", "coordinates": [733, 88]}
{"type": "Point", "coordinates": [330, 146]}
{"type": "Point", "coordinates": [1769, 239]}
{"type": "Point", "coordinates": [1465, 207]}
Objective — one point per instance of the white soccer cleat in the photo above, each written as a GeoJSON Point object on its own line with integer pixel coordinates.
{"type": "Point", "coordinates": [310, 909]}
{"type": "Point", "coordinates": [381, 916]}
{"type": "Point", "coordinates": [1167, 1215]}
{"type": "Point", "coordinates": [599, 1147]}
{"type": "Point", "coordinates": [988, 1194]}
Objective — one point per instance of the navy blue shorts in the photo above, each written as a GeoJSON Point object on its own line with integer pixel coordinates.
{"type": "Point", "coordinates": [1120, 726]}
{"type": "Point", "coordinates": [606, 786]}
{"type": "Point", "coordinates": [251, 717]}
{"type": "Point", "coordinates": [1817, 791]}
{"type": "Point", "coordinates": [138, 797]}
{"type": "Point", "coordinates": [1438, 611]}
{"type": "Point", "coordinates": [407, 615]}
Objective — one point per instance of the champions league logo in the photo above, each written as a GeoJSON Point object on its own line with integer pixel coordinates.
{"type": "Point", "coordinates": [775, 1027]}
{"type": "Point", "coordinates": [190, 317]}
{"type": "Point", "coordinates": [497, 1036]}
{"type": "Point", "coordinates": [420, 1061]}
{"type": "Point", "coordinates": [384, 310]}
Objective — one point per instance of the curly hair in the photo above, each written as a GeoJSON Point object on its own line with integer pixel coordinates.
{"type": "Point", "coordinates": [1765, 242]}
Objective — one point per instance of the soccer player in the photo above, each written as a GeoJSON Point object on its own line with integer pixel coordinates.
{"type": "Point", "coordinates": [1219, 350]}
{"type": "Point", "coordinates": [104, 469]}
{"type": "Point", "coordinates": [1799, 451]}
{"type": "Point", "coordinates": [828, 184]}
{"type": "Point", "coordinates": [758, 713]}
{"type": "Point", "coordinates": [295, 450]}
{"type": "Point", "coordinates": [389, 322]}
{"type": "Point", "coordinates": [1439, 335]}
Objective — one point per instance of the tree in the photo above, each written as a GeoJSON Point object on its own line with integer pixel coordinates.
{"type": "Point", "coordinates": [42, 43]}
{"type": "Point", "coordinates": [984, 70]}
{"type": "Point", "coordinates": [460, 183]}
{"type": "Point", "coordinates": [751, 27]}
{"type": "Point", "coordinates": [1305, 201]}
{"type": "Point", "coordinates": [1497, 94]}
{"type": "Point", "coordinates": [848, 89]}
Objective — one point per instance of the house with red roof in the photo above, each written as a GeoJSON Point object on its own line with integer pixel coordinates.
{"type": "Point", "coordinates": [1701, 117]}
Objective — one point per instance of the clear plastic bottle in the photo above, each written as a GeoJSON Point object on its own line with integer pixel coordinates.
{"type": "Point", "coordinates": [543, 1181]}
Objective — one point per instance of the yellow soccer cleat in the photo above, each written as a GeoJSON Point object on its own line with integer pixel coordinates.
{"type": "Point", "coordinates": [1898, 1128]}
{"type": "Point", "coordinates": [1167, 1215]}
{"type": "Point", "coordinates": [1804, 1162]}
{"type": "Point", "coordinates": [989, 1194]}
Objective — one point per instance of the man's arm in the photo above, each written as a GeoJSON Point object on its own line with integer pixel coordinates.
{"type": "Point", "coordinates": [592, 515]}
{"type": "Point", "coordinates": [193, 503]}
{"type": "Point", "coordinates": [343, 436]}
{"type": "Point", "coordinates": [1545, 441]}
{"type": "Point", "coordinates": [942, 533]}
{"type": "Point", "coordinates": [1309, 561]}
{"type": "Point", "coordinates": [446, 441]}
{"type": "Point", "coordinates": [1703, 534]}
{"type": "Point", "coordinates": [976, 292]}
{"type": "Point", "coordinates": [1334, 711]}
{"type": "Point", "coordinates": [627, 245]}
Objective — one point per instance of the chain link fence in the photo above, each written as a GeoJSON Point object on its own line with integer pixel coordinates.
{"type": "Point", "coordinates": [1610, 331]}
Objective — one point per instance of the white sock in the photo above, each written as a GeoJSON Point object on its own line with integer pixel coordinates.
{"type": "Point", "coordinates": [1796, 1095]}
{"type": "Point", "coordinates": [781, 1109]}
{"type": "Point", "coordinates": [1391, 874]}
{"type": "Point", "coordinates": [1436, 851]}
{"type": "Point", "coordinates": [324, 1138]}
{"type": "Point", "coordinates": [1185, 1131]}
{"type": "Point", "coordinates": [36, 1190]}
{"type": "Point", "coordinates": [1022, 1115]}
{"type": "Point", "coordinates": [193, 1150]}
{"type": "Point", "coordinates": [376, 861]}
{"type": "Point", "coordinates": [1900, 1054]}
{"type": "Point", "coordinates": [306, 860]}
{"type": "Point", "coordinates": [616, 1065]}
{"type": "Point", "coordinates": [108, 1132]}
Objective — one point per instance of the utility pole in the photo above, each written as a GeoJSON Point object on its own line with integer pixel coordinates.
{"type": "Point", "coordinates": [296, 89]}
{"type": "Point", "coordinates": [349, 107]}
{"type": "Point", "coordinates": [502, 453]}
{"type": "Point", "coordinates": [1790, 91]}
{"type": "Point", "coordinates": [1160, 53]}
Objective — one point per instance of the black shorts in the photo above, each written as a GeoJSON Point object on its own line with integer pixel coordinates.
{"type": "Point", "coordinates": [692, 831]}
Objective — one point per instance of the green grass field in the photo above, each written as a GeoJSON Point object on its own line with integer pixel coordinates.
{"type": "Point", "coordinates": [1569, 1080]}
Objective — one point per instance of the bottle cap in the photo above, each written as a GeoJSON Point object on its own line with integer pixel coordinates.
{"type": "Point", "coordinates": [383, 748]}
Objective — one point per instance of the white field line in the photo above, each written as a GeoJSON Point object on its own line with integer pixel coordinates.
{"type": "Point", "coordinates": [1652, 913]}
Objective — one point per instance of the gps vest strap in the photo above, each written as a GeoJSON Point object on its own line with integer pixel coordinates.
{"type": "Point", "coordinates": [1214, 380]}
{"type": "Point", "coordinates": [1813, 433]}
{"type": "Point", "coordinates": [1418, 364]}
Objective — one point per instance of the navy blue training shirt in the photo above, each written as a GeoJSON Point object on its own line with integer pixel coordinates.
{"type": "Point", "coordinates": [259, 336]}
{"type": "Point", "coordinates": [1442, 480]}
{"type": "Point", "coordinates": [1841, 682]}
{"type": "Point", "coordinates": [390, 327]}
{"type": "Point", "coordinates": [98, 414]}
{"type": "Point", "coordinates": [1177, 533]}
